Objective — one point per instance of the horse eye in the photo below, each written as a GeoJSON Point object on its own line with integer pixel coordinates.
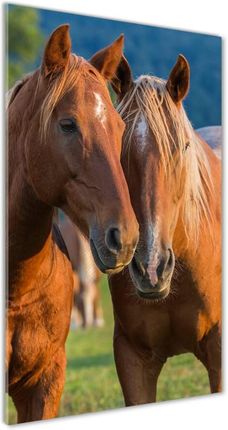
{"type": "Point", "coordinates": [68, 125]}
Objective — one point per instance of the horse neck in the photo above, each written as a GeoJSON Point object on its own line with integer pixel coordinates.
{"type": "Point", "coordinates": [207, 245]}
{"type": "Point", "coordinates": [30, 220]}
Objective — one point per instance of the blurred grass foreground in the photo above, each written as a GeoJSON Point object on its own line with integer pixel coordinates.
{"type": "Point", "coordinates": [91, 380]}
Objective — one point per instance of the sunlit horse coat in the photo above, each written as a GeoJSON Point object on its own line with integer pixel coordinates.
{"type": "Point", "coordinates": [168, 300]}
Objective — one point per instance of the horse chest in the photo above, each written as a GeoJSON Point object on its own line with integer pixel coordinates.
{"type": "Point", "coordinates": [144, 326]}
{"type": "Point", "coordinates": [151, 333]}
{"type": "Point", "coordinates": [174, 326]}
{"type": "Point", "coordinates": [189, 325]}
{"type": "Point", "coordinates": [173, 330]}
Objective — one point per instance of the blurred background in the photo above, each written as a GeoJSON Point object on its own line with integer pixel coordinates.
{"type": "Point", "coordinates": [149, 50]}
{"type": "Point", "coordinates": [91, 380]}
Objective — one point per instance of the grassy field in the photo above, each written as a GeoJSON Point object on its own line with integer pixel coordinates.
{"type": "Point", "coordinates": [91, 380]}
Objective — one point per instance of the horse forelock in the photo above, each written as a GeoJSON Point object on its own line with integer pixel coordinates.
{"type": "Point", "coordinates": [59, 85]}
{"type": "Point", "coordinates": [62, 84]}
{"type": "Point", "coordinates": [170, 127]}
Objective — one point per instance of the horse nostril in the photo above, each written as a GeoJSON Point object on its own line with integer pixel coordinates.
{"type": "Point", "coordinates": [166, 264]}
{"type": "Point", "coordinates": [113, 240]}
{"type": "Point", "coordinates": [138, 266]}
{"type": "Point", "coordinates": [170, 258]}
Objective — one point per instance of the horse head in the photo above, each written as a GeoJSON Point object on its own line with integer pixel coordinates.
{"type": "Point", "coordinates": [70, 141]}
{"type": "Point", "coordinates": [161, 161]}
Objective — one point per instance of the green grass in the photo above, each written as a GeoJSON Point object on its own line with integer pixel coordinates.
{"type": "Point", "coordinates": [91, 380]}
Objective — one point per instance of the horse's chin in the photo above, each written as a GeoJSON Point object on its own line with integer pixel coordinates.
{"type": "Point", "coordinates": [114, 271]}
{"type": "Point", "coordinates": [158, 295]}
{"type": "Point", "coordinates": [145, 289]}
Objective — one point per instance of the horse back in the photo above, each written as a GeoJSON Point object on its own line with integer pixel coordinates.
{"type": "Point", "coordinates": [213, 136]}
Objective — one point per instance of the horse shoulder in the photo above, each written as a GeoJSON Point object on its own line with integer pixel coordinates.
{"type": "Point", "coordinates": [142, 323]}
{"type": "Point", "coordinates": [45, 309]}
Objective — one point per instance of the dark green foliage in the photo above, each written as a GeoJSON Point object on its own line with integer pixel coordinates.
{"type": "Point", "coordinates": [24, 41]}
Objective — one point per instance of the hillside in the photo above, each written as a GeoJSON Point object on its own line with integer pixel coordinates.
{"type": "Point", "coordinates": [154, 50]}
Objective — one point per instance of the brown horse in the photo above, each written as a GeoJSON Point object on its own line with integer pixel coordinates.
{"type": "Point", "coordinates": [64, 139]}
{"type": "Point", "coordinates": [87, 309]}
{"type": "Point", "coordinates": [168, 301]}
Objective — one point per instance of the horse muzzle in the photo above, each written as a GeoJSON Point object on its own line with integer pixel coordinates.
{"type": "Point", "coordinates": [109, 251]}
{"type": "Point", "coordinates": [153, 284]}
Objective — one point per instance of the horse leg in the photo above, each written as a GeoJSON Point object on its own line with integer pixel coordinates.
{"type": "Point", "coordinates": [97, 308]}
{"type": "Point", "coordinates": [211, 346]}
{"type": "Point", "coordinates": [75, 318]}
{"type": "Point", "coordinates": [79, 305]}
{"type": "Point", "coordinates": [88, 304]}
{"type": "Point", "coordinates": [215, 378]}
{"type": "Point", "coordinates": [138, 374]}
{"type": "Point", "coordinates": [41, 401]}
{"type": "Point", "coordinates": [214, 361]}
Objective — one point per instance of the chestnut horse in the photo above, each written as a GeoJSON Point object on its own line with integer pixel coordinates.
{"type": "Point", "coordinates": [168, 301]}
{"type": "Point", "coordinates": [64, 139]}
{"type": "Point", "coordinates": [87, 309]}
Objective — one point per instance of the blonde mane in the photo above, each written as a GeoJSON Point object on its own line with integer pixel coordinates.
{"type": "Point", "coordinates": [171, 129]}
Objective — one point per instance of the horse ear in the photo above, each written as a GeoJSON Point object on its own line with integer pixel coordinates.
{"type": "Point", "coordinates": [107, 59]}
{"type": "Point", "coordinates": [57, 51]}
{"type": "Point", "coordinates": [123, 80]}
{"type": "Point", "coordinates": [179, 80]}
